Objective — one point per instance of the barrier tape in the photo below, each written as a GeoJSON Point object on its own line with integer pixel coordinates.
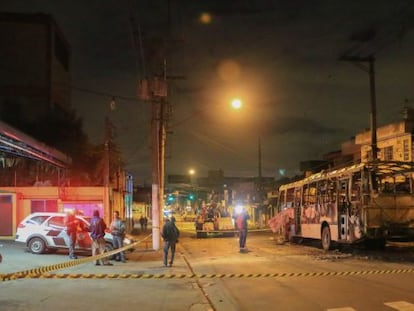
{"type": "Point", "coordinates": [35, 272]}
{"type": "Point", "coordinates": [43, 272]}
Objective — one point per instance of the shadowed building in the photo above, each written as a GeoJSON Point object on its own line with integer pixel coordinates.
{"type": "Point", "coordinates": [34, 61]}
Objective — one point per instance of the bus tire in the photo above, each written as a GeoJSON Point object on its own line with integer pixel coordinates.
{"type": "Point", "coordinates": [326, 238]}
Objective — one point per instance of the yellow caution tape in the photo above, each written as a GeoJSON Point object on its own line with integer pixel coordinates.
{"type": "Point", "coordinates": [34, 274]}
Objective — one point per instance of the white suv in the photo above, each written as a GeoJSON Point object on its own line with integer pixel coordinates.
{"type": "Point", "coordinates": [44, 231]}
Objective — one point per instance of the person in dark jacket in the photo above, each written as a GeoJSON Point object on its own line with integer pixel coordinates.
{"type": "Point", "coordinates": [145, 223]}
{"type": "Point", "coordinates": [170, 234]}
{"type": "Point", "coordinates": [241, 222]}
{"type": "Point", "coordinates": [97, 229]}
{"type": "Point", "coordinates": [141, 222]}
{"type": "Point", "coordinates": [72, 225]}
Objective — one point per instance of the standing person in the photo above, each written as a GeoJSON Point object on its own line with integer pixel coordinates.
{"type": "Point", "coordinates": [141, 222]}
{"type": "Point", "coordinates": [145, 223]}
{"type": "Point", "coordinates": [170, 234]}
{"type": "Point", "coordinates": [241, 221]}
{"type": "Point", "coordinates": [132, 223]}
{"type": "Point", "coordinates": [97, 229]}
{"type": "Point", "coordinates": [117, 229]}
{"type": "Point", "coordinates": [72, 224]}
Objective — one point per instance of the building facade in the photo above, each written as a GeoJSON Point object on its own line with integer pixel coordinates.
{"type": "Point", "coordinates": [35, 61]}
{"type": "Point", "coordinates": [394, 141]}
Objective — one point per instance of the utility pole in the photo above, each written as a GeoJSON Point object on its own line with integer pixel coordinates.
{"type": "Point", "coordinates": [155, 202]}
{"type": "Point", "coordinates": [260, 180]}
{"type": "Point", "coordinates": [154, 89]}
{"type": "Point", "coordinates": [373, 111]}
{"type": "Point", "coordinates": [107, 128]}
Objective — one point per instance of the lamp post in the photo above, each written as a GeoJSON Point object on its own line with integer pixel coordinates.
{"type": "Point", "coordinates": [237, 104]}
{"type": "Point", "coordinates": [191, 173]}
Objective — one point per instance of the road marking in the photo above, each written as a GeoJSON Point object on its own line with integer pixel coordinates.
{"type": "Point", "coordinates": [400, 305]}
{"type": "Point", "coordinates": [397, 305]}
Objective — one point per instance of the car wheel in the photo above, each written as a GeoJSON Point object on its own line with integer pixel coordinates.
{"type": "Point", "coordinates": [37, 246]}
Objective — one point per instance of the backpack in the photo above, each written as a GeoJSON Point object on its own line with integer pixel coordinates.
{"type": "Point", "coordinates": [171, 232]}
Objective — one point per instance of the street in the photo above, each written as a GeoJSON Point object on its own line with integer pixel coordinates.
{"type": "Point", "coordinates": [211, 274]}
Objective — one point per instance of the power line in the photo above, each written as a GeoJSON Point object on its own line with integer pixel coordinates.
{"type": "Point", "coordinates": [104, 94]}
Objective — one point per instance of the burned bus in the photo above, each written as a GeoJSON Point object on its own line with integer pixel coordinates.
{"type": "Point", "coordinates": [366, 202]}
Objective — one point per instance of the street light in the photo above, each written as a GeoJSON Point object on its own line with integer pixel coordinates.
{"type": "Point", "coordinates": [236, 103]}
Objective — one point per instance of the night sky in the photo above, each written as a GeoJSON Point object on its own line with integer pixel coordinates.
{"type": "Point", "coordinates": [280, 57]}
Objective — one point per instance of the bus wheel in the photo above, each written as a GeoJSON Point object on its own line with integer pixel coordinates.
{"type": "Point", "coordinates": [326, 238]}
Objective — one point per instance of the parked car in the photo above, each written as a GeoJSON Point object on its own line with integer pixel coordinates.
{"type": "Point", "coordinates": [44, 231]}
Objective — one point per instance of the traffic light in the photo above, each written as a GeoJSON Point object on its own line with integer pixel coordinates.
{"type": "Point", "coordinates": [191, 196]}
{"type": "Point", "coordinates": [170, 198]}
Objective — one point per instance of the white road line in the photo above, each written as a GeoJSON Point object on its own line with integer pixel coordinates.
{"type": "Point", "coordinates": [400, 305]}
{"type": "Point", "coordinates": [397, 305]}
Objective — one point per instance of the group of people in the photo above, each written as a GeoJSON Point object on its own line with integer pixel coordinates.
{"type": "Point", "coordinates": [170, 234]}
{"type": "Point", "coordinates": [97, 231]}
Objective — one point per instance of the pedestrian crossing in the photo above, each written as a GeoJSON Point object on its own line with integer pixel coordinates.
{"type": "Point", "coordinates": [394, 305]}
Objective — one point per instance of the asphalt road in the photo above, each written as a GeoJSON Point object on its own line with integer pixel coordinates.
{"type": "Point", "coordinates": [211, 274]}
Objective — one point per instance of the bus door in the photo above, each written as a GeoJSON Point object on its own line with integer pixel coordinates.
{"type": "Point", "coordinates": [343, 208]}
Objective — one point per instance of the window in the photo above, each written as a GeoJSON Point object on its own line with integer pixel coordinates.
{"type": "Point", "coordinates": [38, 220]}
{"type": "Point", "coordinates": [57, 221]}
{"type": "Point", "coordinates": [5, 199]}
{"type": "Point", "coordinates": [309, 195]}
{"type": "Point", "coordinates": [343, 191]}
{"type": "Point", "coordinates": [281, 200]}
{"type": "Point", "coordinates": [43, 206]}
{"type": "Point", "coordinates": [388, 153]}
{"type": "Point", "coordinates": [356, 186]}
{"type": "Point", "coordinates": [332, 194]}
{"type": "Point", "coordinates": [290, 197]}
{"type": "Point", "coordinates": [406, 150]}
{"type": "Point", "coordinates": [298, 195]}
